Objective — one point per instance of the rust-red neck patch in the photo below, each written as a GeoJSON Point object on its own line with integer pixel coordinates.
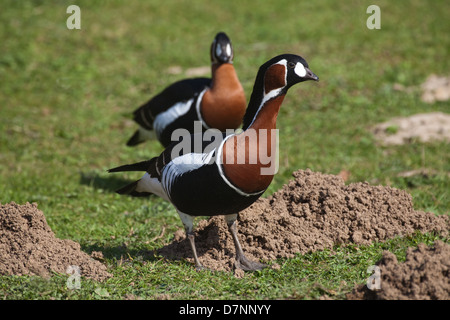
{"type": "Point", "coordinates": [274, 78]}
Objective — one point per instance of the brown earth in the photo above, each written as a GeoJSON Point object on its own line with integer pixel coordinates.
{"type": "Point", "coordinates": [314, 211]}
{"type": "Point", "coordinates": [435, 88]}
{"type": "Point", "coordinates": [29, 247]}
{"type": "Point", "coordinates": [424, 127]}
{"type": "Point", "coordinates": [423, 276]}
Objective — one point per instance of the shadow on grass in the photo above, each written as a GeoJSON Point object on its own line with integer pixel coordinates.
{"type": "Point", "coordinates": [206, 239]}
{"type": "Point", "coordinates": [121, 252]}
{"type": "Point", "coordinates": [121, 255]}
{"type": "Point", "coordinates": [178, 249]}
{"type": "Point", "coordinates": [109, 183]}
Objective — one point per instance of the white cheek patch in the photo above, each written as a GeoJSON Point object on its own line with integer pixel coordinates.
{"type": "Point", "coordinates": [300, 70]}
{"type": "Point", "coordinates": [218, 51]}
{"type": "Point", "coordinates": [228, 50]}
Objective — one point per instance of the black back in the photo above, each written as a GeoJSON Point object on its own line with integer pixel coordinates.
{"type": "Point", "coordinates": [182, 90]}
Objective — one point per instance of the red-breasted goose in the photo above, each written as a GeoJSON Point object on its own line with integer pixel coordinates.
{"type": "Point", "coordinates": [226, 173]}
{"type": "Point", "coordinates": [218, 102]}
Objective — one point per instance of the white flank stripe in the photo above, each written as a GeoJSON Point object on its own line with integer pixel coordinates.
{"type": "Point", "coordinates": [180, 165]}
{"type": "Point", "coordinates": [165, 118]}
{"type": "Point", "coordinates": [149, 184]}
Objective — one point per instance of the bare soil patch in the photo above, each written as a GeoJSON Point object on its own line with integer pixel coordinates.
{"type": "Point", "coordinates": [423, 276]}
{"type": "Point", "coordinates": [424, 127]}
{"type": "Point", "coordinates": [435, 88]}
{"type": "Point", "coordinates": [314, 211]}
{"type": "Point", "coordinates": [29, 247]}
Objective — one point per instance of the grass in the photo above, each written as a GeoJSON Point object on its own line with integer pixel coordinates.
{"type": "Point", "coordinates": [66, 98]}
{"type": "Point", "coordinates": [311, 276]}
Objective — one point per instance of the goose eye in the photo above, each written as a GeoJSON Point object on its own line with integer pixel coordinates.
{"type": "Point", "coordinates": [291, 65]}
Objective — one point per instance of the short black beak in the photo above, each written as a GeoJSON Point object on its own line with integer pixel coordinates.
{"type": "Point", "coordinates": [310, 75]}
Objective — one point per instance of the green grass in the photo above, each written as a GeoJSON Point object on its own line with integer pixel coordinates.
{"type": "Point", "coordinates": [311, 276]}
{"type": "Point", "coordinates": [66, 98]}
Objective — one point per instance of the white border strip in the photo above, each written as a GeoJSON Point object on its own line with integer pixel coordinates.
{"type": "Point", "coordinates": [219, 167]}
{"type": "Point", "coordinates": [197, 108]}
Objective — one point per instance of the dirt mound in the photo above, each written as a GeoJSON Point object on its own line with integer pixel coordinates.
{"type": "Point", "coordinates": [314, 211]}
{"type": "Point", "coordinates": [436, 88]}
{"type": "Point", "coordinates": [425, 127]}
{"type": "Point", "coordinates": [423, 276]}
{"type": "Point", "coordinates": [29, 247]}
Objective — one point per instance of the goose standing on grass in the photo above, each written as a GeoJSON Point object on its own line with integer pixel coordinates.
{"type": "Point", "coordinates": [218, 102]}
{"type": "Point", "coordinates": [220, 178]}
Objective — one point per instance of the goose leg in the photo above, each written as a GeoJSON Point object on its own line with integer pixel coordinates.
{"type": "Point", "coordinates": [198, 265]}
{"type": "Point", "coordinates": [188, 222]}
{"type": "Point", "coordinates": [242, 262]}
